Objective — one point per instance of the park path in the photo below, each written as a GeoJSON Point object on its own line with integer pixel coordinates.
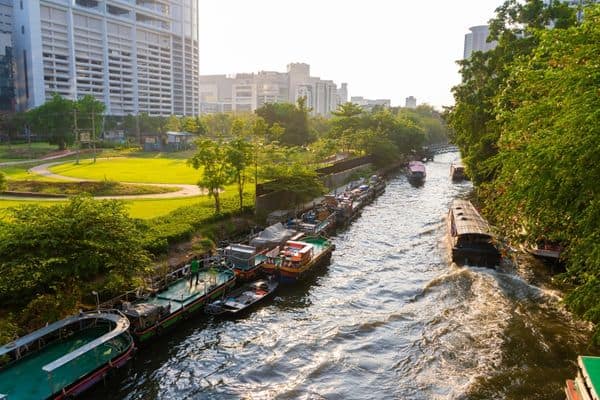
{"type": "Point", "coordinates": [43, 170]}
{"type": "Point", "coordinates": [62, 154]}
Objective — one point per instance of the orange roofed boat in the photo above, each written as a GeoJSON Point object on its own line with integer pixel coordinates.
{"type": "Point", "coordinates": [295, 259]}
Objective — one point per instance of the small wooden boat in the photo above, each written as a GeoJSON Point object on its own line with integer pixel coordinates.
{"type": "Point", "coordinates": [243, 298]}
{"type": "Point", "coordinates": [457, 172]}
{"type": "Point", "coordinates": [470, 236]}
{"type": "Point", "coordinates": [586, 385]}
{"type": "Point", "coordinates": [176, 298]}
{"type": "Point", "coordinates": [546, 250]}
{"type": "Point", "coordinates": [66, 357]}
{"type": "Point", "coordinates": [296, 259]}
{"type": "Point", "coordinates": [416, 172]}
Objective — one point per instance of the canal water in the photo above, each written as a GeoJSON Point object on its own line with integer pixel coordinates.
{"type": "Point", "coordinates": [390, 317]}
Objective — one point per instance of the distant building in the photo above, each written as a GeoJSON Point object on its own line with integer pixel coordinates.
{"type": "Point", "coordinates": [368, 105]}
{"type": "Point", "coordinates": [7, 86]}
{"type": "Point", "coordinates": [410, 102]}
{"type": "Point", "coordinates": [476, 40]}
{"type": "Point", "coordinates": [245, 92]}
{"type": "Point", "coordinates": [137, 56]}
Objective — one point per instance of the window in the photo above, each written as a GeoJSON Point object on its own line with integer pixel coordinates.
{"type": "Point", "coordinates": [22, 29]}
{"type": "Point", "coordinates": [21, 4]}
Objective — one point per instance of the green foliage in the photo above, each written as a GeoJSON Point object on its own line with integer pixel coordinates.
{"type": "Point", "coordinates": [9, 330]}
{"type": "Point", "coordinates": [41, 248]}
{"type": "Point", "coordinates": [239, 156]}
{"type": "Point", "coordinates": [526, 119]}
{"type": "Point", "coordinates": [54, 120]}
{"type": "Point", "coordinates": [299, 180]}
{"type": "Point", "coordinates": [217, 171]}
{"type": "Point", "coordinates": [90, 114]}
{"type": "Point", "coordinates": [293, 118]}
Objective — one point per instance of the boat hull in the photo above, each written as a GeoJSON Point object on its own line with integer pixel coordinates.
{"type": "Point", "coordinates": [183, 313]}
{"type": "Point", "coordinates": [287, 275]}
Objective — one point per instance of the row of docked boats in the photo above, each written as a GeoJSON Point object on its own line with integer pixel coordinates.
{"type": "Point", "coordinates": [69, 356]}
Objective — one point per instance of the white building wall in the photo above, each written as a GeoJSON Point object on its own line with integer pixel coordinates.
{"type": "Point", "coordinates": [135, 56]}
{"type": "Point", "coordinates": [476, 40]}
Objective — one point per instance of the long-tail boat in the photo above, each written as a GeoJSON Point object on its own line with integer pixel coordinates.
{"type": "Point", "coordinates": [416, 172]}
{"type": "Point", "coordinates": [245, 261]}
{"type": "Point", "coordinates": [470, 236]}
{"type": "Point", "coordinates": [296, 259]}
{"type": "Point", "coordinates": [63, 359]}
{"type": "Point", "coordinates": [243, 298]}
{"type": "Point", "coordinates": [176, 297]}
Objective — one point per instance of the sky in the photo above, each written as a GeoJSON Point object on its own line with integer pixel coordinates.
{"type": "Point", "coordinates": [387, 49]}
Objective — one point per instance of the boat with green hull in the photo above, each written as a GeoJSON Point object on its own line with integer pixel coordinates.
{"type": "Point", "coordinates": [65, 358]}
{"type": "Point", "coordinates": [176, 297]}
{"type": "Point", "coordinates": [586, 385]}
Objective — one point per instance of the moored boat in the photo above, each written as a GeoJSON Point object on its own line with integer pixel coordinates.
{"type": "Point", "coordinates": [176, 297]}
{"type": "Point", "coordinates": [296, 259]}
{"type": "Point", "coordinates": [457, 172]}
{"type": "Point", "coordinates": [243, 297]}
{"type": "Point", "coordinates": [416, 172]}
{"type": "Point", "coordinates": [470, 236]}
{"type": "Point", "coordinates": [245, 261]}
{"type": "Point", "coordinates": [586, 385]}
{"type": "Point", "coordinates": [65, 358]}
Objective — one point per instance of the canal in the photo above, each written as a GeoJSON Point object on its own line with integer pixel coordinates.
{"type": "Point", "coordinates": [389, 318]}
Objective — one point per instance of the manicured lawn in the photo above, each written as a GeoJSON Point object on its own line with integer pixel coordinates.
{"type": "Point", "coordinates": [132, 169]}
{"type": "Point", "coordinates": [22, 151]}
{"type": "Point", "coordinates": [150, 208]}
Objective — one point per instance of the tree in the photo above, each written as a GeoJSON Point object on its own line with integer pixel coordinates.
{"type": "Point", "coordinates": [211, 156]}
{"type": "Point", "coordinates": [239, 156]}
{"type": "Point", "coordinates": [89, 117]}
{"type": "Point", "coordinates": [293, 118]}
{"type": "Point", "coordinates": [54, 119]}
{"type": "Point", "coordinates": [300, 181]}
{"type": "Point", "coordinates": [44, 249]}
{"type": "Point", "coordinates": [172, 124]}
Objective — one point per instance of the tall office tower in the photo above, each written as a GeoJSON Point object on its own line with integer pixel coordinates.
{"type": "Point", "coordinates": [476, 40]}
{"type": "Point", "coordinates": [342, 94]}
{"type": "Point", "coordinates": [136, 56]}
{"type": "Point", "coordinates": [7, 88]}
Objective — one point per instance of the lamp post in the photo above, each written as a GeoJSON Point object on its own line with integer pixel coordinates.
{"type": "Point", "coordinates": [97, 300]}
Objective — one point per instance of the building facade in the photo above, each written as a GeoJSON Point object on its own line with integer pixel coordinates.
{"type": "Point", "coordinates": [136, 56]}
{"type": "Point", "coordinates": [247, 92]}
{"type": "Point", "coordinates": [7, 87]}
{"type": "Point", "coordinates": [410, 102]}
{"type": "Point", "coordinates": [369, 104]}
{"type": "Point", "coordinates": [476, 40]}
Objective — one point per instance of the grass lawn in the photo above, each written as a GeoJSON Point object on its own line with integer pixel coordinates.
{"type": "Point", "coordinates": [16, 152]}
{"type": "Point", "coordinates": [131, 169]}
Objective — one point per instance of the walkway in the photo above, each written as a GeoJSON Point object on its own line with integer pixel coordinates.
{"type": "Point", "coordinates": [64, 153]}
{"type": "Point", "coordinates": [42, 170]}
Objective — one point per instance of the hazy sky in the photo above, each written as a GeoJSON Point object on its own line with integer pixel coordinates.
{"type": "Point", "coordinates": [382, 48]}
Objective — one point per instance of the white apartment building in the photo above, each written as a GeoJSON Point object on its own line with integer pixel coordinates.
{"type": "Point", "coordinates": [369, 104]}
{"type": "Point", "coordinates": [476, 40]}
{"type": "Point", "coordinates": [247, 92]}
{"type": "Point", "coordinates": [410, 102]}
{"type": "Point", "coordinates": [136, 56]}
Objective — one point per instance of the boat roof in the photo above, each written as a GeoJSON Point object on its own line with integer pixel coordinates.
{"type": "Point", "coordinates": [467, 220]}
{"type": "Point", "coordinates": [416, 166]}
{"type": "Point", "coordinates": [121, 325]}
{"type": "Point", "coordinates": [590, 368]}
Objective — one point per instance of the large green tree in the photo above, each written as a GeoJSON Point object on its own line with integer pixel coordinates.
{"type": "Point", "coordinates": [90, 112]}
{"type": "Point", "coordinates": [293, 118]}
{"type": "Point", "coordinates": [211, 156]}
{"type": "Point", "coordinates": [54, 120]}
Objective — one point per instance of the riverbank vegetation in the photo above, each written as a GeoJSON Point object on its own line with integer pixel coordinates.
{"type": "Point", "coordinates": [99, 188]}
{"type": "Point", "coordinates": [527, 122]}
{"type": "Point", "coordinates": [53, 255]}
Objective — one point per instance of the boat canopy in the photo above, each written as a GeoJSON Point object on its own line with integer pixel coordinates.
{"type": "Point", "coordinates": [272, 236]}
{"type": "Point", "coordinates": [121, 326]}
{"type": "Point", "coordinates": [467, 220]}
{"type": "Point", "coordinates": [416, 166]}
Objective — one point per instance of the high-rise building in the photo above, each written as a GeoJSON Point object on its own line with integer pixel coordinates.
{"type": "Point", "coordinates": [247, 92]}
{"type": "Point", "coordinates": [370, 104]}
{"type": "Point", "coordinates": [7, 87]}
{"type": "Point", "coordinates": [476, 40]}
{"type": "Point", "coordinates": [410, 102]}
{"type": "Point", "coordinates": [137, 56]}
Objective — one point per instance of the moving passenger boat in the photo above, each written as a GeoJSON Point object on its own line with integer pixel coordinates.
{"type": "Point", "coordinates": [65, 358]}
{"type": "Point", "coordinates": [586, 385]}
{"type": "Point", "coordinates": [470, 236]}
{"type": "Point", "coordinates": [416, 172]}
{"type": "Point", "coordinates": [457, 172]}
{"type": "Point", "coordinates": [177, 296]}
{"type": "Point", "coordinates": [294, 260]}
{"type": "Point", "coordinates": [243, 298]}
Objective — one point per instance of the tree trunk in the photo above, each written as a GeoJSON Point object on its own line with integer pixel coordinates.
{"type": "Point", "coordinates": [62, 145]}
{"type": "Point", "coordinates": [217, 201]}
